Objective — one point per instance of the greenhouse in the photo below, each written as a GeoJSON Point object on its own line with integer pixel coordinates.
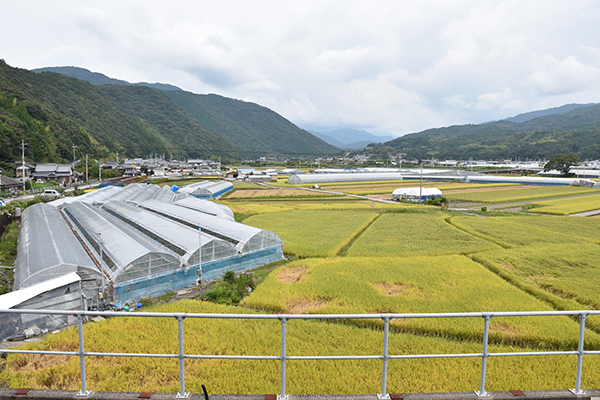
{"type": "Point", "coordinates": [114, 246]}
{"type": "Point", "coordinates": [321, 178]}
{"type": "Point", "coordinates": [245, 238]}
{"type": "Point", "coordinates": [182, 240]}
{"type": "Point", "coordinates": [416, 193]}
{"type": "Point", "coordinates": [205, 190]}
{"type": "Point", "coordinates": [208, 207]}
{"type": "Point", "coordinates": [47, 248]}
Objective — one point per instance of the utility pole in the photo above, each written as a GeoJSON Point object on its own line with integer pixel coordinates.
{"type": "Point", "coordinates": [23, 162]}
{"type": "Point", "coordinates": [99, 172]}
{"type": "Point", "coordinates": [73, 147]}
{"type": "Point", "coordinates": [117, 157]}
{"type": "Point", "coordinates": [86, 168]}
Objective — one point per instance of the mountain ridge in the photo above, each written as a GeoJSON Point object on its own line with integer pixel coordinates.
{"type": "Point", "coordinates": [53, 112]}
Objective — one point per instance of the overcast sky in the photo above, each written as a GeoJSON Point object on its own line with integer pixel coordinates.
{"type": "Point", "coordinates": [383, 66]}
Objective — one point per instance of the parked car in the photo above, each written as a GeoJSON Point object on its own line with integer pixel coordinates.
{"type": "Point", "coordinates": [2, 202]}
{"type": "Point", "coordinates": [50, 194]}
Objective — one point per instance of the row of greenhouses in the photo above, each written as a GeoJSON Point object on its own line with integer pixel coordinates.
{"type": "Point", "coordinates": [115, 246]}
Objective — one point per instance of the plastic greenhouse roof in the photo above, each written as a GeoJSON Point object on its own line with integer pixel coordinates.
{"type": "Point", "coordinates": [14, 298]}
{"type": "Point", "coordinates": [344, 177]}
{"type": "Point", "coordinates": [118, 239]}
{"type": "Point", "coordinates": [207, 207]}
{"type": "Point", "coordinates": [205, 187]}
{"type": "Point", "coordinates": [239, 232]}
{"type": "Point", "coordinates": [47, 247]}
{"type": "Point", "coordinates": [180, 235]}
{"type": "Point", "coordinates": [165, 194]}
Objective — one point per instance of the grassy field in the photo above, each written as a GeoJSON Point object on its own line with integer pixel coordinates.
{"type": "Point", "coordinates": [522, 193]}
{"type": "Point", "coordinates": [568, 206]}
{"type": "Point", "coordinates": [368, 257]}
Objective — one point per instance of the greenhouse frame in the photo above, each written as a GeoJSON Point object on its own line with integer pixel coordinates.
{"type": "Point", "coordinates": [205, 190]}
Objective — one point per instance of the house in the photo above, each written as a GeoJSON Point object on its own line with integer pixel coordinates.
{"type": "Point", "coordinates": [61, 173]}
{"type": "Point", "coordinates": [9, 185]}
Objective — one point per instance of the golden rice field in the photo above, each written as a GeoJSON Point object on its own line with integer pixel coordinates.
{"type": "Point", "coordinates": [356, 256]}
{"type": "Point", "coordinates": [568, 206]}
{"type": "Point", "coordinates": [523, 193]}
{"type": "Point", "coordinates": [414, 235]}
{"type": "Point", "coordinates": [415, 285]}
{"type": "Point", "coordinates": [259, 337]}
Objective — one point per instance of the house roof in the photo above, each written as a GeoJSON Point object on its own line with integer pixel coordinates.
{"type": "Point", "coordinates": [6, 181]}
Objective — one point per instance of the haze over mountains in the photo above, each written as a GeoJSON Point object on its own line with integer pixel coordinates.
{"type": "Point", "coordinates": [350, 139]}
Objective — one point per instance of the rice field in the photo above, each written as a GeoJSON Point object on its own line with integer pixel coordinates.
{"type": "Point", "coordinates": [502, 231]}
{"type": "Point", "coordinates": [253, 337]}
{"type": "Point", "coordinates": [568, 206]}
{"type": "Point", "coordinates": [318, 233]}
{"type": "Point", "coordinates": [414, 285]}
{"type": "Point", "coordinates": [415, 235]}
{"type": "Point", "coordinates": [522, 193]}
{"type": "Point", "coordinates": [368, 257]}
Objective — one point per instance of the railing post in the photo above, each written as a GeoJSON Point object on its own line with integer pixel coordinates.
{"type": "Point", "coordinates": [484, 355]}
{"type": "Point", "coordinates": [577, 391]}
{"type": "Point", "coordinates": [282, 395]}
{"type": "Point", "coordinates": [83, 392]}
{"type": "Point", "coordinates": [386, 329]}
{"type": "Point", "coordinates": [182, 393]}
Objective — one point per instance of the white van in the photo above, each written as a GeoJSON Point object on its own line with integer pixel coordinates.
{"type": "Point", "coordinates": [50, 194]}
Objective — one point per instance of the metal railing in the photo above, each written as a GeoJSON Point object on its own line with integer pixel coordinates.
{"type": "Point", "coordinates": [283, 318]}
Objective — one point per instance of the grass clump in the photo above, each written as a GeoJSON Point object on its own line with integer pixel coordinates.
{"type": "Point", "coordinates": [231, 290]}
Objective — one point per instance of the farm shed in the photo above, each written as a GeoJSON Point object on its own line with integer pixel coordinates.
{"type": "Point", "coordinates": [414, 193]}
{"type": "Point", "coordinates": [322, 178]}
{"type": "Point", "coordinates": [205, 189]}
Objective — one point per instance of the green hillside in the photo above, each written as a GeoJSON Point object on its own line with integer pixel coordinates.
{"type": "Point", "coordinates": [249, 125]}
{"type": "Point", "coordinates": [51, 112]}
{"type": "Point", "coordinates": [576, 131]}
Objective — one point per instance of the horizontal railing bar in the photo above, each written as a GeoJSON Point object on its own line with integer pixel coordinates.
{"type": "Point", "coordinates": [221, 357]}
{"type": "Point", "coordinates": [56, 353]}
{"type": "Point", "coordinates": [300, 316]}
{"type": "Point", "coordinates": [534, 353]}
{"type": "Point", "coordinates": [407, 356]}
{"type": "Point", "coordinates": [96, 354]}
{"type": "Point", "coordinates": [334, 357]}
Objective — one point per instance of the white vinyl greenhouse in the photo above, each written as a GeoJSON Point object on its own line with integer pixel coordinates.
{"type": "Point", "coordinates": [205, 189]}
{"type": "Point", "coordinates": [301, 179]}
{"type": "Point", "coordinates": [118, 245]}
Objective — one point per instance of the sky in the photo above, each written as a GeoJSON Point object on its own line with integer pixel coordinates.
{"type": "Point", "coordinates": [388, 67]}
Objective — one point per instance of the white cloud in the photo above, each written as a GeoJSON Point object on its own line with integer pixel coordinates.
{"type": "Point", "coordinates": [387, 66]}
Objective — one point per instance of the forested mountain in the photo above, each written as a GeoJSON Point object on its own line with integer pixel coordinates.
{"type": "Point", "coordinates": [52, 112]}
{"type": "Point", "coordinates": [96, 78]}
{"type": "Point", "coordinates": [250, 126]}
{"type": "Point", "coordinates": [576, 131]}
{"type": "Point", "coordinates": [549, 111]}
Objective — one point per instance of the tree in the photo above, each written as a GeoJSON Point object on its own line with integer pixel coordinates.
{"type": "Point", "coordinates": [562, 163]}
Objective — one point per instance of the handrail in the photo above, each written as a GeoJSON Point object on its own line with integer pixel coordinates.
{"type": "Point", "coordinates": [283, 318]}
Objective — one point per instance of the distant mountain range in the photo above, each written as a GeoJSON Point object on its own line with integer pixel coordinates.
{"type": "Point", "coordinates": [53, 112]}
{"type": "Point", "coordinates": [350, 139]}
{"type": "Point", "coordinates": [570, 129]}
